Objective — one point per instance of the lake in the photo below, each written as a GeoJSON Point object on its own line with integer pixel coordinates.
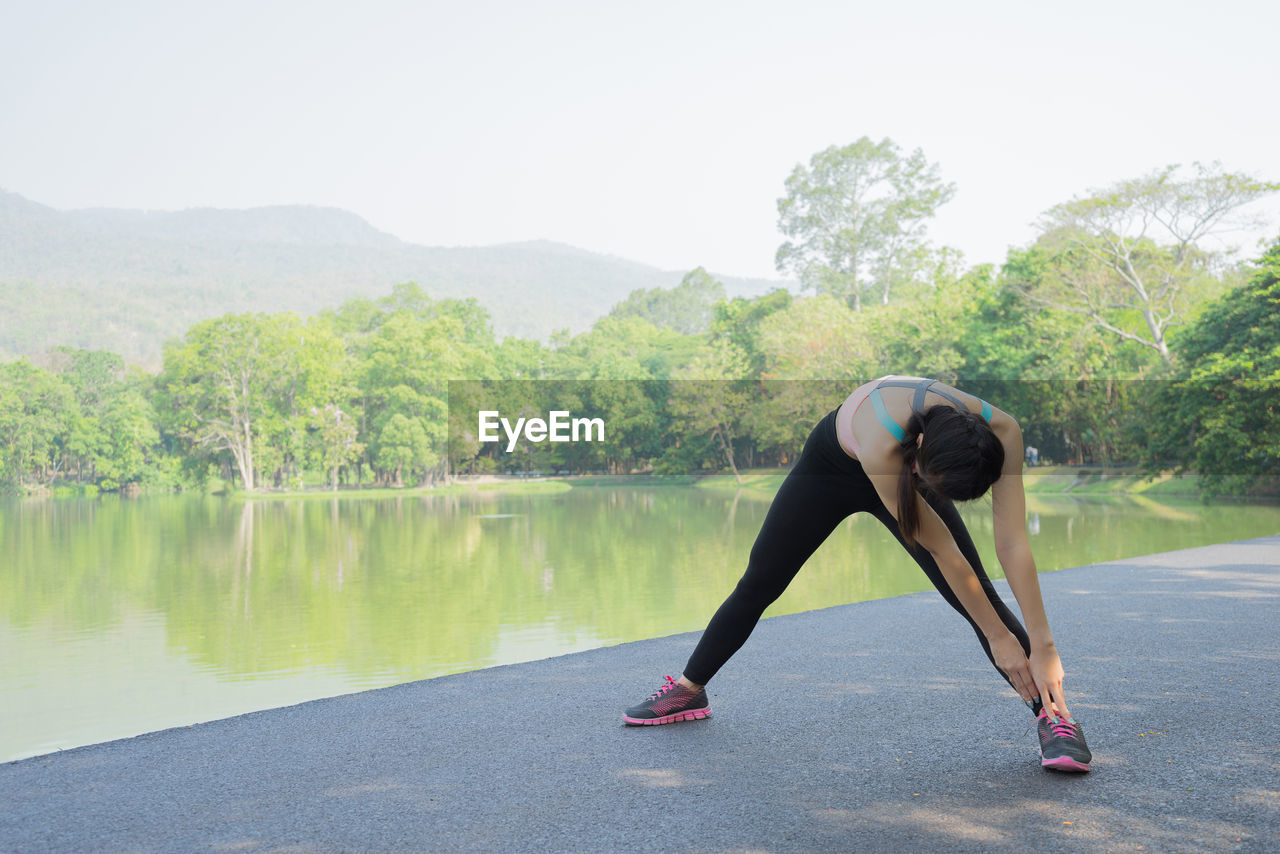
{"type": "Point", "coordinates": [119, 617]}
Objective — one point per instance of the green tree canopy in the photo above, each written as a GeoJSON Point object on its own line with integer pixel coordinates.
{"type": "Point", "coordinates": [1221, 417]}
{"type": "Point", "coordinates": [244, 385]}
{"type": "Point", "coordinates": [39, 420]}
{"type": "Point", "coordinates": [686, 308]}
{"type": "Point", "coordinates": [856, 217]}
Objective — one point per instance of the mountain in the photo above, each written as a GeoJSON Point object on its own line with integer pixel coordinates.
{"type": "Point", "coordinates": [127, 280]}
{"type": "Point", "coordinates": [287, 224]}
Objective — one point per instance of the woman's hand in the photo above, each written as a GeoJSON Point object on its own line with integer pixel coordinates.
{"type": "Point", "coordinates": [1012, 661]}
{"type": "Point", "coordinates": [1046, 671]}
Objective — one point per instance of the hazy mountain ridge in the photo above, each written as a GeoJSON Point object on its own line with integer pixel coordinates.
{"type": "Point", "coordinates": [288, 224]}
{"type": "Point", "coordinates": [127, 280]}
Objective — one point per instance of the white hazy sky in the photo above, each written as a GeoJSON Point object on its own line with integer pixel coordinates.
{"type": "Point", "coordinates": [659, 132]}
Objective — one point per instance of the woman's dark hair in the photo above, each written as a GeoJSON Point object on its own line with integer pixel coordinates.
{"type": "Point", "coordinates": [959, 459]}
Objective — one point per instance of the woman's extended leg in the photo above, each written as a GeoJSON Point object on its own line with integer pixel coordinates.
{"type": "Point", "coordinates": [824, 487]}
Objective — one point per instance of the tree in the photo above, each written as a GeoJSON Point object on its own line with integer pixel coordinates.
{"type": "Point", "coordinates": [405, 369]}
{"type": "Point", "coordinates": [244, 385]}
{"type": "Point", "coordinates": [95, 379]}
{"type": "Point", "coordinates": [403, 392]}
{"type": "Point", "coordinates": [618, 348]}
{"type": "Point", "coordinates": [127, 427]}
{"type": "Point", "coordinates": [686, 308]}
{"type": "Point", "coordinates": [817, 338]}
{"type": "Point", "coordinates": [306, 362]}
{"type": "Point", "coordinates": [212, 387]}
{"type": "Point", "coordinates": [810, 351]}
{"type": "Point", "coordinates": [1221, 416]}
{"type": "Point", "coordinates": [710, 399]}
{"type": "Point", "coordinates": [856, 218]}
{"type": "Point", "coordinates": [403, 445]}
{"type": "Point", "coordinates": [334, 435]}
{"type": "Point", "coordinates": [738, 322]}
{"type": "Point", "coordinates": [621, 363]}
{"type": "Point", "coordinates": [1129, 257]}
{"type": "Point", "coordinates": [94, 374]}
{"type": "Point", "coordinates": [39, 416]}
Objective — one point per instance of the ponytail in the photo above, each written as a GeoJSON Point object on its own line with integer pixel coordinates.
{"type": "Point", "coordinates": [908, 510]}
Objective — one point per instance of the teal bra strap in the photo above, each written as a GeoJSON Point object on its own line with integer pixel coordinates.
{"type": "Point", "coordinates": [889, 423]}
{"type": "Point", "coordinates": [986, 411]}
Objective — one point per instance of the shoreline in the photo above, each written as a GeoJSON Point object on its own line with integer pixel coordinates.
{"type": "Point", "coordinates": [1094, 481]}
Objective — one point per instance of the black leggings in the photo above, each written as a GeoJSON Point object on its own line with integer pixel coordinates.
{"type": "Point", "coordinates": [825, 487]}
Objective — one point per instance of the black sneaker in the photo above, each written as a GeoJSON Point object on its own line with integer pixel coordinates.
{"type": "Point", "coordinates": [670, 703]}
{"type": "Point", "coordinates": [1062, 746]}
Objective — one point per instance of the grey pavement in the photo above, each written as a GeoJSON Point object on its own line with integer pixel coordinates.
{"type": "Point", "coordinates": [870, 727]}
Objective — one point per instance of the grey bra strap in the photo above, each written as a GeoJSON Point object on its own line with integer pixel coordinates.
{"type": "Point", "coordinates": [917, 402]}
{"type": "Point", "coordinates": [922, 387]}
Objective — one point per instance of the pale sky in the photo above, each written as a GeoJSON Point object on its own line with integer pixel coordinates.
{"type": "Point", "coordinates": [658, 132]}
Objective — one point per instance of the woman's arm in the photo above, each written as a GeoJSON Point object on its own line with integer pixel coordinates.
{"type": "Point", "coordinates": [963, 581]}
{"type": "Point", "coordinates": [1013, 550]}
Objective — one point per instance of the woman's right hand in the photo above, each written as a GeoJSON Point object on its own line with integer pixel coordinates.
{"type": "Point", "coordinates": [1013, 662]}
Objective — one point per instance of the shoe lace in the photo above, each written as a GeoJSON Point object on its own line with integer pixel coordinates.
{"type": "Point", "coordinates": [1063, 728]}
{"type": "Point", "coordinates": [671, 683]}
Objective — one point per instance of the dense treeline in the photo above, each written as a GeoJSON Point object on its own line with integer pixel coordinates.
{"type": "Point", "coordinates": [1108, 348]}
{"type": "Point", "coordinates": [362, 394]}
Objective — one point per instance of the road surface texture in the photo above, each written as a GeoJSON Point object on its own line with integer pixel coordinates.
{"type": "Point", "coordinates": [877, 726]}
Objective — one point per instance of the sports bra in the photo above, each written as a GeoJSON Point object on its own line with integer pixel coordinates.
{"type": "Point", "coordinates": [921, 385]}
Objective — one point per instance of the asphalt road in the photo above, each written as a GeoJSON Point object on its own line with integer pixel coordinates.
{"type": "Point", "coordinates": [870, 727]}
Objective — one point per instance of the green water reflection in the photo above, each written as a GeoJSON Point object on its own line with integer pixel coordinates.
{"type": "Point", "coordinates": [119, 617]}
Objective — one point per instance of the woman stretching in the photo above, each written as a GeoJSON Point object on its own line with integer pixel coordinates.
{"type": "Point", "coordinates": [919, 446]}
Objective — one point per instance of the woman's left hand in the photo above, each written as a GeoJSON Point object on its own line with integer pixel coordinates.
{"type": "Point", "coordinates": [1046, 671]}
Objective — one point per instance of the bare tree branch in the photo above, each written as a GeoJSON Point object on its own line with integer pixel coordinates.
{"type": "Point", "coordinates": [1143, 233]}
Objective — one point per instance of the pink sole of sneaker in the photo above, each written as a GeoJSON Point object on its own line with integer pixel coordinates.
{"type": "Point", "coordinates": [1064, 763]}
{"type": "Point", "coordinates": [691, 715]}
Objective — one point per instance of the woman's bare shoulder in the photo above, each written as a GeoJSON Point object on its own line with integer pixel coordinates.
{"type": "Point", "coordinates": [880, 453]}
{"type": "Point", "coordinates": [1004, 425]}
